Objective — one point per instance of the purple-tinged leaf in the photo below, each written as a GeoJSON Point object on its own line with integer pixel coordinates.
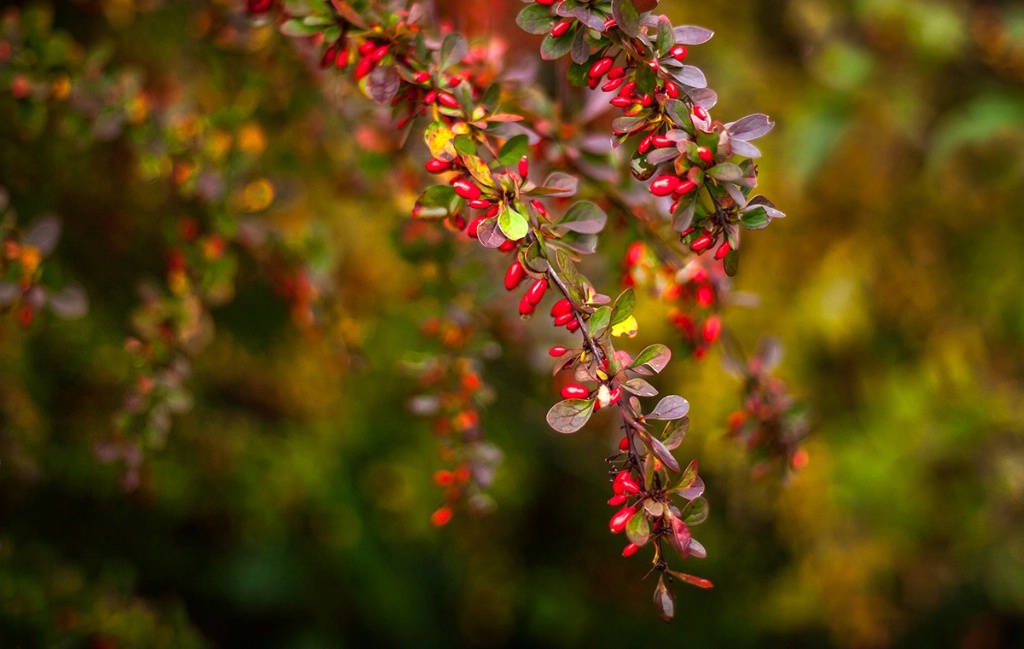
{"type": "Point", "coordinates": [695, 490]}
{"type": "Point", "coordinates": [745, 149]}
{"type": "Point", "coordinates": [552, 49]}
{"type": "Point", "coordinates": [9, 293]}
{"type": "Point", "coordinates": [769, 351]}
{"type": "Point", "coordinates": [570, 415]}
{"type": "Point", "coordinates": [704, 97]}
{"type": "Point", "coordinates": [580, 52]}
{"type": "Point", "coordinates": [726, 171]}
{"type": "Point", "coordinates": [584, 217]}
{"type": "Point", "coordinates": [655, 357]}
{"type": "Point", "coordinates": [667, 459]}
{"type": "Point", "coordinates": [699, 582]}
{"type": "Point", "coordinates": [663, 601]}
{"type": "Point", "coordinates": [453, 50]}
{"type": "Point", "coordinates": [688, 478]}
{"type": "Point", "coordinates": [383, 84]}
{"type": "Point", "coordinates": [627, 17]}
{"type": "Point", "coordinates": [639, 387]}
{"type": "Point", "coordinates": [70, 302]}
{"type": "Point", "coordinates": [680, 536]}
{"type": "Point", "coordinates": [489, 234]}
{"type": "Point", "coordinates": [670, 407]}
{"type": "Point", "coordinates": [750, 127]}
{"type": "Point", "coordinates": [659, 156]}
{"type": "Point", "coordinates": [558, 184]}
{"type": "Point", "coordinates": [587, 16]}
{"type": "Point", "coordinates": [675, 432]}
{"type": "Point", "coordinates": [683, 216]}
{"type": "Point", "coordinates": [697, 550]}
{"type": "Point", "coordinates": [692, 35]}
{"type": "Point", "coordinates": [44, 234]}
{"type": "Point", "coordinates": [628, 124]}
{"type": "Point", "coordinates": [690, 75]}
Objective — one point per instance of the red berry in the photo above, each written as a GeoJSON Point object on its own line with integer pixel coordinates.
{"type": "Point", "coordinates": [441, 517]}
{"type": "Point", "coordinates": [685, 187]}
{"type": "Point", "coordinates": [430, 97]}
{"type": "Point", "coordinates": [525, 308]}
{"type": "Point", "coordinates": [621, 102]}
{"type": "Point", "coordinates": [564, 318]}
{"type": "Point", "coordinates": [611, 85]}
{"type": "Point", "coordinates": [661, 141]}
{"type": "Point", "coordinates": [380, 53]}
{"type": "Point", "coordinates": [723, 250]}
{"type": "Point", "coordinates": [614, 395]}
{"type": "Point", "coordinates": [624, 483]}
{"type": "Point", "coordinates": [678, 52]}
{"type": "Point", "coordinates": [705, 155]}
{"type": "Point", "coordinates": [466, 189]}
{"type": "Point", "coordinates": [630, 550]}
{"type": "Point", "coordinates": [635, 252]}
{"type": "Point", "coordinates": [700, 113]}
{"type": "Point", "coordinates": [672, 90]}
{"type": "Point", "coordinates": [480, 204]}
{"type": "Point", "coordinates": [702, 243]}
{"type": "Point", "coordinates": [514, 276]}
{"type": "Point", "coordinates": [615, 501]}
{"type": "Point", "coordinates": [507, 246]}
{"type": "Point", "coordinates": [259, 6]}
{"type": "Point", "coordinates": [712, 329]}
{"type": "Point", "coordinates": [561, 307]}
{"type": "Point", "coordinates": [561, 28]}
{"type": "Point", "coordinates": [575, 391]}
{"type": "Point", "coordinates": [422, 76]}
{"type": "Point", "coordinates": [665, 185]}
{"type": "Point", "coordinates": [557, 351]}
{"type": "Point", "coordinates": [627, 90]}
{"type": "Point", "coordinates": [524, 166]}
{"type": "Point", "coordinates": [619, 520]}
{"type": "Point", "coordinates": [617, 72]}
{"type": "Point", "coordinates": [705, 296]}
{"type": "Point", "coordinates": [601, 67]}
{"type": "Point", "coordinates": [546, 3]}
{"type": "Point", "coordinates": [366, 47]}
{"type": "Point", "coordinates": [536, 291]}
{"type": "Point", "coordinates": [573, 325]}
{"type": "Point", "coordinates": [329, 54]}
{"type": "Point", "coordinates": [447, 100]}
{"type": "Point", "coordinates": [365, 66]}
{"type": "Point", "coordinates": [436, 166]}
{"type": "Point", "coordinates": [624, 444]}
{"type": "Point", "coordinates": [645, 145]}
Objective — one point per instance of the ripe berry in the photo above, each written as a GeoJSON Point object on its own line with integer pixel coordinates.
{"type": "Point", "coordinates": [685, 187]}
{"type": "Point", "coordinates": [630, 550]}
{"type": "Point", "coordinates": [546, 3]}
{"type": "Point", "coordinates": [447, 100]}
{"type": "Point", "coordinates": [525, 308]}
{"type": "Point", "coordinates": [557, 351]}
{"type": "Point", "coordinates": [672, 90]}
{"type": "Point", "coordinates": [524, 166]}
{"type": "Point", "coordinates": [645, 145]}
{"type": "Point", "coordinates": [564, 318]}
{"type": "Point", "coordinates": [705, 155]}
{"type": "Point", "coordinates": [619, 520]}
{"type": "Point", "coordinates": [480, 204]}
{"type": "Point", "coordinates": [678, 52]}
{"type": "Point", "coordinates": [514, 276]}
{"type": "Point", "coordinates": [561, 307]}
{"type": "Point", "coordinates": [575, 391]}
{"type": "Point", "coordinates": [474, 227]}
{"type": "Point", "coordinates": [436, 166]}
{"type": "Point", "coordinates": [615, 501]}
{"type": "Point", "coordinates": [507, 246]}
{"type": "Point", "coordinates": [422, 76]}
{"type": "Point", "coordinates": [536, 291]}
{"type": "Point", "coordinates": [712, 329]}
{"type": "Point", "coordinates": [441, 517]}
{"type": "Point", "coordinates": [624, 483]}
{"type": "Point", "coordinates": [601, 67]}
{"type": "Point", "coordinates": [366, 47]}
{"type": "Point", "coordinates": [365, 66]}
{"type": "Point", "coordinates": [573, 325]}
{"type": "Point", "coordinates": [611, 85]}
{"type": "Point", "coordinates": [702, 243]}
{"type": "Point", "coordinates": [661, 141]}
{"type": "Point", "coordinates": [380, 53]}
{"type": "Point", "coordinates": [466, 189]}
{"type": "Point", "coordinates": [561, 28]}
{"type": "Point", "coordinates": [621, 102]}
{"type": "Point", "coordinates": [617, 72]}
{"type": "Point", "coordinates": [665, 185]}
{"type": "Point", "coordinates": [624, 444]}
{"type": "Point", "coordinates": [635, 252]}
{"type": "Point", "coordinates": [723, 250]}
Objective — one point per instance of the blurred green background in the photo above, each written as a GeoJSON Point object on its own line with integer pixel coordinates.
{"type": "Point", "coordinates": [289, 507]}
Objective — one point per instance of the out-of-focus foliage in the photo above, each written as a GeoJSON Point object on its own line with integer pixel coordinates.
{"type": "Point", "coordinates": [289, 506]}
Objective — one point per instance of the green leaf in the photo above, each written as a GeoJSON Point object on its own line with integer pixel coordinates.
{"type": "Point", "coordinates": [570, 415]}
{"type": "Point", "coordinates": [579, 74]}
{"type": "Point", "coordinates": [675, 432]}
{"type": "Point", "coordinates": [552, 49]}
{"type": "Point", "coordinates": [726, 171]}
{"type": "Point", "coordinates": [535, 19]}
{"type": "Point", "coordinates": [453, 50]}
{"type": "Point", "coordinates": [297, 27]}
{"type": "Point", "coordinates": [436, 202]}
{"type": "Point", "coordinates": [662, 453]}
{"type": "Point", "coordinates": [624, 305]}
{"type": "Point", "coordinates": [731, 263]}
{"type": "Point", "coordinates": [755, 219]}
{"type": "Point", "coordinates": [627, 17]}
{"type": "Point", "coordinates": [558, 184]}
{"type": "Point", "coordinates": [666, 39]}
{"type": "Point", "coordinates": [513, 224]}
{"type": "Point", "coordinates": [584, 217]}
{"type": "Point", "coordinates": [599, 321]}
{"type": "Point", "coordinates": [696, 512]}
{"type": "Point", "coordinates": [639, 387]}
{"type": "Point", "coordinates": [646, 80]}
{"type": "Point", "coordinates": [638, 530]}
{"type": "Point", "coordinates": [514, 149]}
{"type": "Point", "coordinates": [655, 358]}
{"type": "Point", "coordinates": [670, 407]}
{"type": "Point", "coordinates": [465, 145]}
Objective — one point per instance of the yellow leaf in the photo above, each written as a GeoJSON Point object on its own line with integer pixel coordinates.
{"type": "Point", "coordinates": [440, 142]}
{"type": "Point", "coordinates": [627, 328]}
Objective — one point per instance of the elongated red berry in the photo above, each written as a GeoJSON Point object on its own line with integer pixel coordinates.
{"type": "Point", "coordinates": [524, 166]}
{"type": "Point", "coordinates": [624, 444]}
{"type": "Point", "coordinates": [678, 52]}
{"type": "Point", "coordinates": [614, 395]}
{"type": "Point", "coordinates": [430, 97]}
{"type": "Point", "coordinates": [630, 550]}
{"type": "Point", "coordinates": [365, 66]}
{"type": "Point", "coordinates": [563, 319]}
{"type": "Point", "coordinates": [546, 3]}
{"type": "Point", "coordinates": [661, 141]}
{"type": "Point", "coordinates": [617, 72]}
{"type": "Point", "coordinates": [685, 187]}
{"type": "Point", "coordinates": [712, 329]}
{"type": "Point", "coordinates": [466, 189]}
{"type": "Point", "coordinates": [672, 90]}
{"type": "Point", "coordinates": [514, 275]}
{"type": "Point", "coordinates": [366, 47]}
{"type": "Point", "coordinates": [621, 102]}
{"type": "Point", "coordinates": [561, 307]}
{"type": "Point", "coordinates": [627, 90]}
{"type": "Point", "coordinates": [525, 308]}
{"type": "Point", "coordinates": [561, 28]}
{"type": "Point", "coordinates": [380, 53]}
{"type": "Point", "coordinates": [635, 252]}
{"type": "Point", "coordinates": [665, 185]}
{"type": "Point", "coordinates": [723, 250]}
{"type": "Point", "coordinates": [536, 291]}
{"type": "Point", "coordinates": [645, 145]}
{"type": "Point", "coordinates": [447, 100]}
{"type": "Point", "coordinates": [575, 391]}
{"type": "Point", "coordinates": [705, 155]}
{"type": "Point", "coordinates": [474, 227]}
{"type": "Point", "coordinates": [421, 77]}
{"type": "Point", "coordinates": [441, 517]}
{"type": "Point", "coordinates": [329, 55]}
{"type": "Point", "coordinates": [507, 246]}
{"type": "Point", "coordinates": [601, 67]}
{"type": "Point", "coordinates": [619, 520]}
{"type": "Point", "coordinates": [702, 243]}
{"type": "Point", "coordinates": [573, 325]}
{"type": "Point", "coordinates": [557, 350]}
{"type": "Point", "coordinates": [616, 501]}
{"type": "Point", "coordinates": [624, 483]}
{"type": "Point", "coordinates": [611, 85]}
{"type": "Point", "coordinates": [480, 204]}
{"type": "Point", "coordinates": [436, 166]}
